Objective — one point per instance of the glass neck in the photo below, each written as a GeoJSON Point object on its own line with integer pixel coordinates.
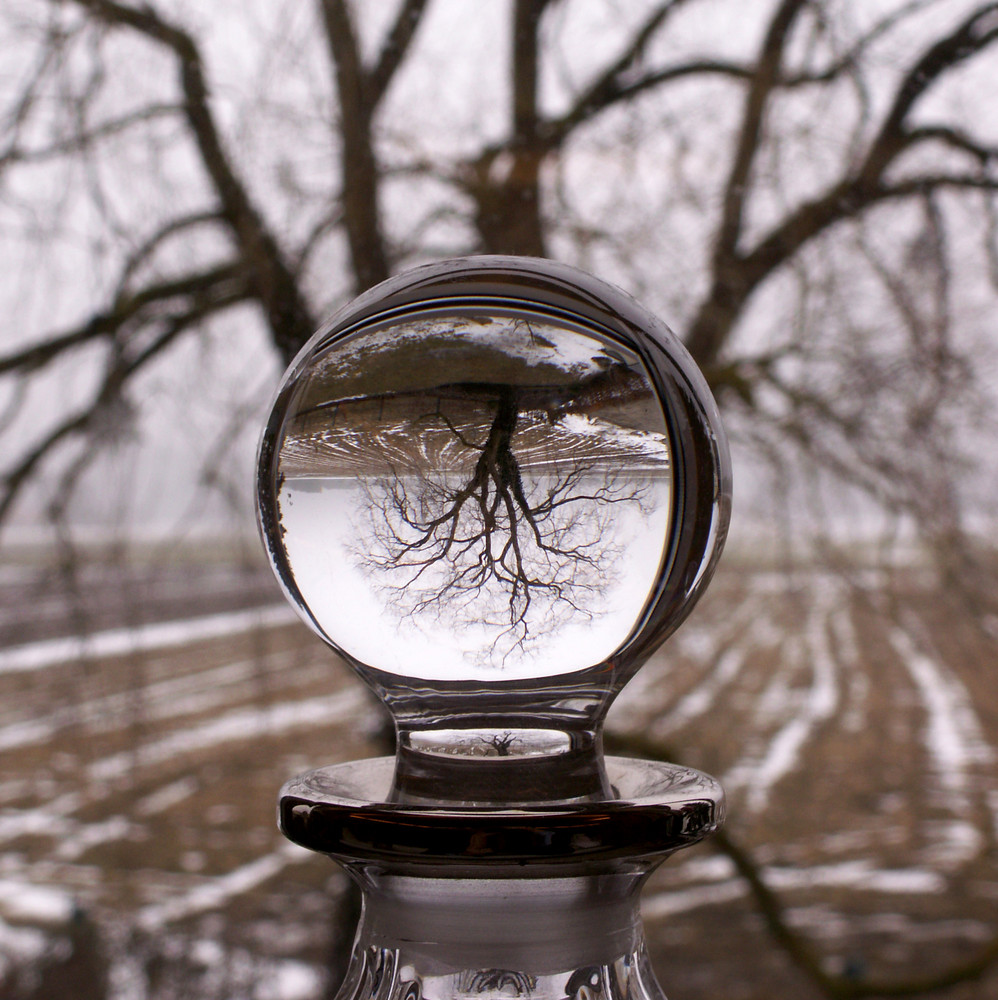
{"type": "Point", "coordinates": [549, 938]}
{"type": "Point", "coordinates": [486, 766]}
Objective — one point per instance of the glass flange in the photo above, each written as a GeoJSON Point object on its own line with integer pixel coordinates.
{"type": "Point", "coordinates": [345, 811]}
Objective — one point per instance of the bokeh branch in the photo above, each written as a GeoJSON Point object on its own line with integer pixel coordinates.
{"type": "Point", "coordinates": [288, 315]}
{"type": "Point", "coordinates": [773, 911]}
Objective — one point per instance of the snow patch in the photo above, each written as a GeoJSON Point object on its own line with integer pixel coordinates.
{"type": "Point", "coordinates": [166, 797]}
{"type": "Point", "coordinates": [954, 843]}
{"type": "Point", "coordinates": [858, 875]}
{"type": "Point", "coordinates": [20, 945]}
{"type": "Point", "coordinates": [89, 835]}
{"type": "Point", "coordinates": [953, 733]}
{"type": "Point", "coordinates": [234, 726]}
{"type": "Point", "coordinates": [216, 893]}
{"type": "Point", "coordinates": [23, 902]}
{"type": "Point", "coordinates": [161, 635]}
{"type": "Point", "coordinates": [808, 710]}
{"type": "Point", "coordinates": [648, 443]}
{"type": "Point", "coordinates": [698, 701]}
{"type": "Point", "coordinates": [290, 980]}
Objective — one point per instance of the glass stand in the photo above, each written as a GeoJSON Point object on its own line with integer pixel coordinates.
{"type": "Point", "coordinates": [471, 901]}
{"type": "Point", "coordinates": [494, 486]}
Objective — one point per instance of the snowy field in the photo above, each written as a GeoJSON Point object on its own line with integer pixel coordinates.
{"type": "Point", "coordinates": [149, 714]}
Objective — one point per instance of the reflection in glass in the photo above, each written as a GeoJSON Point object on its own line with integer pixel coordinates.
{"type": "Point", "coordinates": [496, 485]}
{"type": "Point", "coordinates": [475, 491]}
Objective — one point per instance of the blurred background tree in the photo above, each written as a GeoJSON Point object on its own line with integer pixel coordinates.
{"type": "Point", "coordinates": [806, 191]}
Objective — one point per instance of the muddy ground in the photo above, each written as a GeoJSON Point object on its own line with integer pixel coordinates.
{"type": "Point", "coordinates": [151, 709]}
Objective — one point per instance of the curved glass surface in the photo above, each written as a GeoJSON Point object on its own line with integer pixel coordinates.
{"type": "Point", "coordinates": [494, 485]}
{"type": "Point", "coordinates": [651, 810]}
{"type": "Point", "coordinates": [475, 492]}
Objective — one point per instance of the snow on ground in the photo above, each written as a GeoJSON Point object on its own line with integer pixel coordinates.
{"type": "Point", "coordinates": [953, 735]}
{"type": "Point", "coordinates": [289, 980]}
{"type": "Point", "coordinates": [142, 638]}
{"type": "Point", "coordinates": [861, 876]}
{"type": "Point", "coordinates": [724, 649]}
{"type": "Point", "coordinates": [651, 446]}
{"type": "Point", "coordinates": [213, 894]}
{"type": "Point", "coordinates": [22, 902]}
{"type": "Point", "coordinates": [233, 726]}
{"type": "Point", "coordinates": [176, 697]}
{"type": "Point", "coordinates": [20, 946]}
{"type": "Point", "coordinates": [802, 712]}
{"type": "Point", "coordinates": [765, 683]}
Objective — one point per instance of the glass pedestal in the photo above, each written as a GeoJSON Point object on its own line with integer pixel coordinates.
{"type": "Point", "coordinates": [470, 901]}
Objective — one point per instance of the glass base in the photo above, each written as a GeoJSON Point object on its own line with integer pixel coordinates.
{"type": "Point", "coordinates": [464, 939]}
{"type": "Point", "coordinates": [463, 901]}
{"type": "Point", "coordinates": [347, 811]}
{"type": "Point", "coordinates": [388, 974]}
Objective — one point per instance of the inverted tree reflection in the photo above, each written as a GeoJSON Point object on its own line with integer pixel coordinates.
{"type": "Point", "coordinates": [506, 534]}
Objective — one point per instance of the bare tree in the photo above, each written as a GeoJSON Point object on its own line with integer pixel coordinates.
{"type": "Point", "coordinates": [811, 200]}
{"type": "Point", "coordinates": [171, 266]}
{"type": "Point", "coordinates": [517, 554]}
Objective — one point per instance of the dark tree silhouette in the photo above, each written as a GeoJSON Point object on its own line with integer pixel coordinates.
{"type": "Point", "coordinates": [518, 551]}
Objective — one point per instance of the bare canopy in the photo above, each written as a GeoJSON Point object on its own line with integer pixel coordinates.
{"type": "Point", "coordinates": [809, 200]}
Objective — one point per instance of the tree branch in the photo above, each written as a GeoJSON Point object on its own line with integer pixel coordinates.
{"type": "Point", "coordinates": [120, 371]}
{"type": "Point", "coordinates": [359, 94]}
{"type": "Point", "coordinates": [845, 201]}
{"type": "Point", "coordinates": [21, 110]}
{"type": "Point", "coordinates": [526, 24]}
{"type": "Point", "coordinates": [736, 275]}
{"type": "Point", "coordinates": [973, 35]}
{"type": "Point", "coordinates": [394, 48]}
{"type": "Point", "coordinates": [764, 80]}
{"type": "Point", "coordinates": [729, 290]}
{"type": "Point", "coordinates": [145, 250]}
{"type": "Point", "coordinates": [81, 141]}
{"type": "Point", "coordinates": [287, 313]}
{"type": "Point", "coordinates": [619, 83]}
{"type": "Point", "coordinates": [609, 86]}
{"type": "Point", "coordinates": [597, 100]}
{"type": "Point", "coordinates": [850, 59]}
{"type": "Point", "coordinates": [955, 138]}
{"type": "Point", "coordinates": [222, 283]}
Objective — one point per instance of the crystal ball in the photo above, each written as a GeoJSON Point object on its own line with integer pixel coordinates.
{"type": "Point", "coordinates": [494, 486]}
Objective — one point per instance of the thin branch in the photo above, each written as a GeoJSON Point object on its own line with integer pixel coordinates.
{"type": "Point", "coordinates": [50, 53]}
{"type": "Point", "coordinates": [145, 250]}
{"type": "Point", "coordinates": [15, 480]}
{"type": "Point", "coordinates": [954, 138]}
{"type": "Point", "coordinates": [556, 131]}
{"type": "Point", "coordinates": [358, 165]}
{"type": "Point", "coordinates": [394, 49]}
{"type": "Point", "coordinates": [967, 40]}
{"type": "Point", "coordinates": [850, 59]}
{"type": "Point", "coordinates": [84, 139]}
{"type": "Point", "coordinates": [619, 83]}
{"type": "Point", "coordinates": [216, 283]}
{"type": "Point", "coordinates": [764, 80]}
{"type": "Point", "coordinates": [110, 390]}
{"type": "Point", "coordinates": [610, 86]}
{"type": "Point", "coordinates": [323, 226]}
{"type": "Point", "coordinates": [845, 201]}
{"type": "Point", "coordinates": [524, 73]}
{"type": "Point", "coordinates": [287, 312]}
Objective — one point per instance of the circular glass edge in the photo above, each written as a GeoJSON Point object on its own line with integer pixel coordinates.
{"type": "Point", "coordinates": [701, 459]}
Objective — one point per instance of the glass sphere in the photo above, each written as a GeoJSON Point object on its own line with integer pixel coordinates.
{"type": "Point", "coordinates": [494, 485]}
